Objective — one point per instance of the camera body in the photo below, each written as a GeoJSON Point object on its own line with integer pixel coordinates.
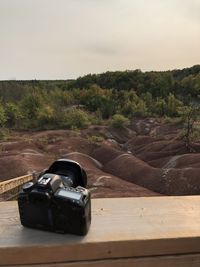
{"type": "Point", "coordinates": [58, 201]}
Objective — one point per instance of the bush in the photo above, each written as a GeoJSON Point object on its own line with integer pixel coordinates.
{"type": "Point", "coordinates": [119, 121]}
{"type": "Point", "coordinates": [129, 109]}
{"type": "Point", "coordinates": [173, 105]}
{"type": "Point", "coordinates": [3, 117]}
{"type": "Point", "coordinates": [141, 109]}
{"type": "Point", "coordinates": [46, 117]}
{"type": "Point", "coordinates": [4, 134]}
{"type": "Point", "coordinates": [76, 118]}
{"type": "Point", "coordinates": [13, 114]}
{"type": "Point", "coordinates": [30, 105]}
{"type": "Point", "coordinates": [96, 139]}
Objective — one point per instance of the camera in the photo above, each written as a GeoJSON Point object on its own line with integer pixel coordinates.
{"type": "Point", "coordinates": [58, 201]}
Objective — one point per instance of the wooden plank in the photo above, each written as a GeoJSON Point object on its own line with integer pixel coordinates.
{"type": "Point", "coordinates": [159, 261]}
{"type": "Point", "coordinates": [121, 228]}
{"type": "Point", "coordinates": [15, 182]}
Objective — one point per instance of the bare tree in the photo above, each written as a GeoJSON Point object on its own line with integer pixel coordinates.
{"type": "Point", "coordinates": [190, 115]}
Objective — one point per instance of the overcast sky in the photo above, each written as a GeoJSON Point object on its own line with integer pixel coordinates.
{"type": "Point", "coordinates": [61, 39]}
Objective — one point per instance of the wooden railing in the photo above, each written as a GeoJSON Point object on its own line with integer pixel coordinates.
{"type": "Point", "coordinates": [10, 188]}
{"type": "Point", "coordinates": [125, 232]}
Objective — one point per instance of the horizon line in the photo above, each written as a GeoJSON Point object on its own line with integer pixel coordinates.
{"type": "Point", "coordinates": [71, 79]}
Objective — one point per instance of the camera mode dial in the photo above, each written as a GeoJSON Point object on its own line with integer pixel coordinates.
{"type": "Point", "coordinates": [28, 186]}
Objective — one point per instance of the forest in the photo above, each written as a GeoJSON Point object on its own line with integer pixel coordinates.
{"type": "Point", "coordinates": [107, 98]}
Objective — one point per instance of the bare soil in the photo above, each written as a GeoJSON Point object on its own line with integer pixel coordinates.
{"type": "Point", "coordinates": [146, 159]}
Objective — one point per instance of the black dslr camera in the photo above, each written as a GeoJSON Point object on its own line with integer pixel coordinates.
{"type": "Point", "coordinates": [58, 201]}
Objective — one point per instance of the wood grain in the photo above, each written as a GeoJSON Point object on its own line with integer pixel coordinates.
{"type": "Point", "coordinates": [12, 183]}
{"type": "Point", "coordinates": [159, 261]}
{"type": "Point", "coordinates": [121, 228]}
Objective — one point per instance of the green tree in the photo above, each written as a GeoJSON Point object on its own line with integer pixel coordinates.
{"type": "Point", "coordinates": [13, 114]}
{"type": "Point", "coordinates": [141, 109]}
{"type": "Point", "coordinates": [160, 107]}
{"type": "Point", "coordinates": [46, 117]}
{"type": "Point", "coordinates": [31, 104]}
{"type": "Point", "coordinates": [129, 109]}
{"type": "Point", "coordinates": [173, 105]}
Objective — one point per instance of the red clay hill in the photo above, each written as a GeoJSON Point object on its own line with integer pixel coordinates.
{"type": "Point", "coordinates": [146, 159]}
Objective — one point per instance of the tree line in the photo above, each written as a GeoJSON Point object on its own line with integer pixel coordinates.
{"type": "Point", "coordinates": [97, 98]}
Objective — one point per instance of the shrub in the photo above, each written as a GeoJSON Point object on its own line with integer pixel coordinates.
{"type": "Point", "coordinates": [96, 139]}
{"type": "Point", "coordinates": [46, 117]}
{"type": "Point", "coordinates": [173, 105]}
{"type": "Point", "coordinates": [3, 117]}
{"type": "Point", "coordinates": [119, 121]}
{"type": "Point", "coordinates": [4, 134]}
{"type": "Point", "coordinates": [30, 105]}
{"type": "Point", "coordinates": [129, 109]}
{"type": "Point", "coordinates": [13, 114]}
{"type": "Point", "coordinates": [76, 118]}
{"type": "Point", "coordinates": [141, 109]}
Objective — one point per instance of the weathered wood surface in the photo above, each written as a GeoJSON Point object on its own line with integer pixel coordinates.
{"type": "Point", "coordinates": [159, 261]}
{"type": "Point", "coordinates": [132, 231]}
{"type": "Point", "coordinates": [15, 182]}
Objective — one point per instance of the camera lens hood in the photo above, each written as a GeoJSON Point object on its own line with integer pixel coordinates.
{"type": "Point", "coordinates": [64, 166]}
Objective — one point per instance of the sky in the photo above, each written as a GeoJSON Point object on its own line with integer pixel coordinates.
{"type": "Point", "coordinates": [64, 39]}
